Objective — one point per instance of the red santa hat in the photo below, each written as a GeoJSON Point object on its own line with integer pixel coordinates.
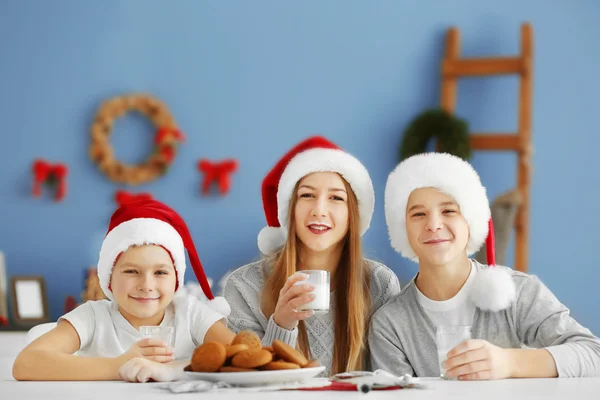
{"type": "Point", "coordinates": [494, 288]}
{"type": "Point", "coordinates": [315, 154]}
{"type": "Point", "coordinates": [150, 222]}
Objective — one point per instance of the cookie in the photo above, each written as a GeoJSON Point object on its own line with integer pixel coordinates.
{"type": "Point", "coordinates": [312, 364]}
{"type": "Point", "coordinates": [233, 349]}
{"type": "Point", "coordinates": [208, 357]}
{"type": "Point", "coordinates": [279, 365]}
{"type": "Point", "coordinates": [288, 353]}
{"type": "Point", "coordinates": [251, 358]}
{"type": "Point", "coordinates": [248, 338]}
{"type": "Point", "coordinates": [269, 348]}
{"type": "Point", "coordinates": [236, 369]}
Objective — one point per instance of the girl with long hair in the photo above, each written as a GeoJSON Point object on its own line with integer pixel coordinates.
{"type": "Point", "coordinates": [318, 203]}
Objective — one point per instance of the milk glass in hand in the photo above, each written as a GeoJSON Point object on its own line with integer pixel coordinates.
{"type": "Point", "coordinates": [320, 305]}
{"type": "Point", "coordinates": [164, 333]}
{"type": "Point", "coordinates": [447, 338]}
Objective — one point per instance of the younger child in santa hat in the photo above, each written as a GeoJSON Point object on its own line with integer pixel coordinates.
{"type": "Point", "coordinates": [141, 266]}
{"type": "Point", "coordinates": [438, 214]}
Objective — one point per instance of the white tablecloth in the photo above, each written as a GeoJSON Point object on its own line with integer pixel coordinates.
{"type": "Point", "coordinates": [513, 389]}
{"type": "Point", "coordinates": [510, 389]}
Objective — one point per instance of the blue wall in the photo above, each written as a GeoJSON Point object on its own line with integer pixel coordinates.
{"type": "Point", "coordinates": [249, 79]}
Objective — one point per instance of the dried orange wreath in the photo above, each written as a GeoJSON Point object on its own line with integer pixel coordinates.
{"type": "Point", "coordinates": [166, 139]}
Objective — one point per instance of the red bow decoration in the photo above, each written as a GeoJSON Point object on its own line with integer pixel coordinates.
{"type": "Point", "coordinates": [167, 153]}
{"type": "Point", "coordinates": [165, 146]}
{"type": "Point", "coordinates": [164, 133]}
{"type": "Point", "coordinates": [217, 172]}
{"type": "Point", "coordinates": [44, 172]}
{"type": "Point", "coordinates": [122, 197]}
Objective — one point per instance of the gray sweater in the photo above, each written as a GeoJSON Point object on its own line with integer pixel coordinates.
{"type": "Point", "coordinates": [402, 337]}
{"type": "Point", "coordinates": [242, 291]}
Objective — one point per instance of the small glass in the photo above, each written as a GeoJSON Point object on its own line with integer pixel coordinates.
{"type": "Point", "coordinates": [319, 278]}
{"type": "Point", "coordinates": [164, 333]}
{"type": "Point", "coordinates": [447, 338]}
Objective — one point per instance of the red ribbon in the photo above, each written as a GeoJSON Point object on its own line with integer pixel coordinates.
{"type": "Point", "coordinates": [166, 150]}
{"type": "Point", "coordinates": [167, 153]}
{"type": "Point", "coordinates": [122, 197]}
{"type": "Point", "coordinates": [163, 133]}
{"type": "Point", "coordinates": [43, 170]}
{"type": "Point", "coordinates": [217, 172]}
{"type": "Point", "coordinates": [344, 387]}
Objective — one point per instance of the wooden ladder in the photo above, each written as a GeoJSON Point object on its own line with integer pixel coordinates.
{"type": "Point", "coordinates": [454, 67]}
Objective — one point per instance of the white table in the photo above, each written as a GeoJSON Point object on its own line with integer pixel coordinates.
{"type": "Point", "coordinates": [10, 345]}
{"type": "Point", "coordinates": [579, 389]}
{"type": "Point", "coordinates": [513, 389]}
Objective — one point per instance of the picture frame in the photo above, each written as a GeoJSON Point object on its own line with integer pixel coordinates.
{"type": "Point", "coordinates": [29, 300]}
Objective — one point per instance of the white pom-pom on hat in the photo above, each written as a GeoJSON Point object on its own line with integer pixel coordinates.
{"type": "Point", "coordinates": [271, 239]}
{"type": "Point", "coordinates": [493, 288]}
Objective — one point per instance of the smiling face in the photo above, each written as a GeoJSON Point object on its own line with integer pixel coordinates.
{"type": "Point", "coordinates": [437, 231]}
{"type": "Point", "coordinates": [143, 282]}
{"type": "Point", "coordinates": [321, 211]}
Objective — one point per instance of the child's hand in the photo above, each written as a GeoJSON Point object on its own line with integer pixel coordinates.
{"type": "Point", "coordinates": [142, 370]}
{"type": "Point", "coordinates": [477, 360]}
{"type": "Point", "coordinates": [291, 297]}
{"type": "Point", "coordinates": [150, 349]}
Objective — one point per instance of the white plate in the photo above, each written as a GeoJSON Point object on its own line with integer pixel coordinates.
{"type": "Point", "coordinates": [258, 377]}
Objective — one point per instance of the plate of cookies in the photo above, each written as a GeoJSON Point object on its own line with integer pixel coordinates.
{"type": "Point", "coordinates": [246, 362]}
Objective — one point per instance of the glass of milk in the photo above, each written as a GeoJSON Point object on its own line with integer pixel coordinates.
{"type": "Point", "coordinates": [447, 338]}
{"type": "Point", "coordinates": [164, 333]}
{"type": "Point", "coordinates": [319, 278]}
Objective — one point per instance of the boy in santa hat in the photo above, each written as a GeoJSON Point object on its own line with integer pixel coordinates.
{"type": "Point", "coordinates": [438, 214]}
{"type": "Point", "coordinates": [141, 266]}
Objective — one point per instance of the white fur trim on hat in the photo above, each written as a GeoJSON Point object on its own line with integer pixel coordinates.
{"type": "Point", "coordinates": [327, 160]}
{"type": "Point", "coordinates": [493, 289]}
{"type": "Point", "coordinates": [137, 232]}
{"type": "Point", "coordinates": [271, 239]}
{"type": "Point", "coordinates": [449, 174]}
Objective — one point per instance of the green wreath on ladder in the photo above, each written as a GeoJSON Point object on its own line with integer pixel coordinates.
{"type": "Point", "coordinates": [451, 132]}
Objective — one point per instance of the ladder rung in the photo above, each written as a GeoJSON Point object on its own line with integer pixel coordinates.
{"type": "Point", "coordinates": [483, 66]}
{"type": "Point", "coordinates": [496, 141]}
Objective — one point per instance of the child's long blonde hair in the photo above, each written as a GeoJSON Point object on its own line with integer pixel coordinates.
{"type": "Point", "coordinates": [352, 290]}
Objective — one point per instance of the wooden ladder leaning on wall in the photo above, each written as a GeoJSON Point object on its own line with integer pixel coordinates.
{"type": "Point", "coordinates": [454, 67]}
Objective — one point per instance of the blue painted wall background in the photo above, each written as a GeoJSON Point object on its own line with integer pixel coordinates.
{"type": "Point", "coordinates": [250, 79]}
